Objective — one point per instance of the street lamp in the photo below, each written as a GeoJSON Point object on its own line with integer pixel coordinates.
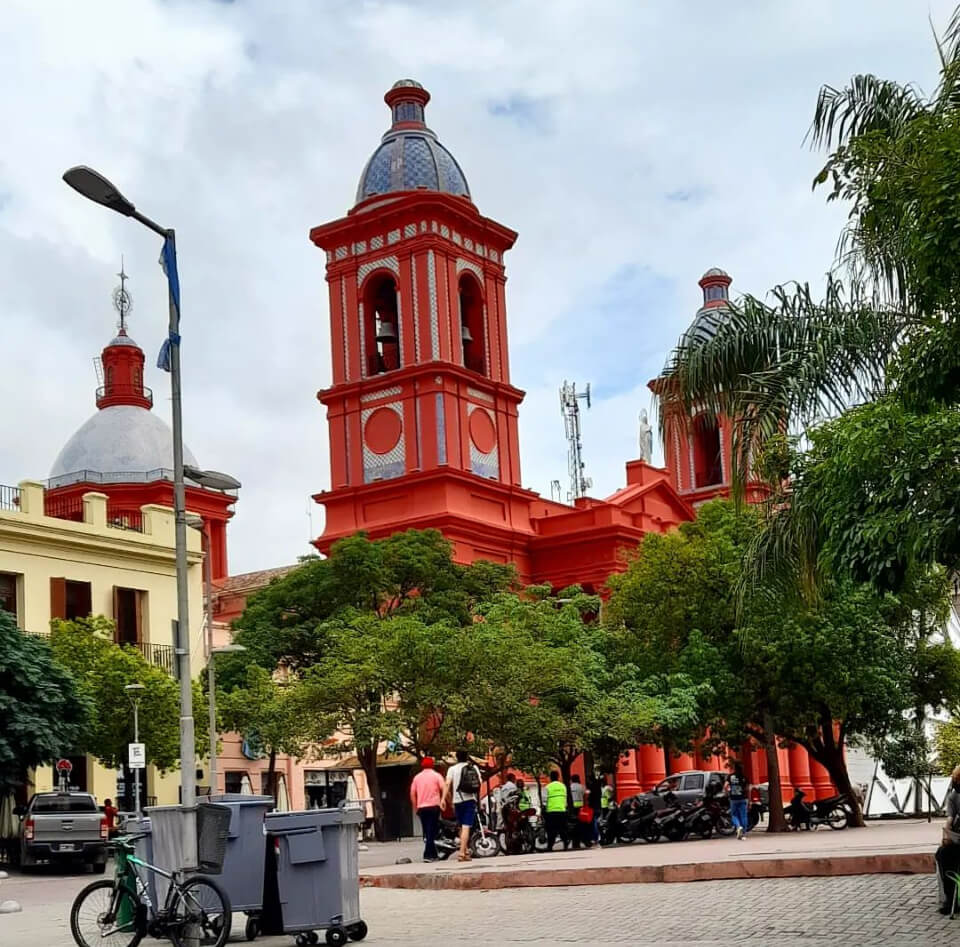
{"type": "Point", "coordinates": [95, 187]}
{"type": "Point", "coordinates": [135, 693]}
{"type": "Point", "coordinates": [212, 479]}
{"type": "Point", "coordinates": [196, 522]}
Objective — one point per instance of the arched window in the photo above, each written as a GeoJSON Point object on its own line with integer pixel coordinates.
{"type": "Point", "coordinates": [381, 327]}
{"type": "Point", "coordinates": [707, 467]}
{"type": "Point", "coordinates": [472, 334]}
{"type": "Point", "coordinates": [109, 376]}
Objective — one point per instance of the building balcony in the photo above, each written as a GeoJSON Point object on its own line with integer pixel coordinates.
{"type": "Point", "coordinates": [162, 656]}
{"type": "Point", "coordinates": [124, 394]}
{"type": "Point", "coordinates": [9, 497]}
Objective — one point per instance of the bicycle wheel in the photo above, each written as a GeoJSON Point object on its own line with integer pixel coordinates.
{"type": "Point", "coordinates": [204, 902]}
{"type": "Point", "coordinates": [102, 916]}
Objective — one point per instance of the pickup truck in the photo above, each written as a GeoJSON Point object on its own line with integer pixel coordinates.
{"type": "Point", "coordinates": [61, 826]}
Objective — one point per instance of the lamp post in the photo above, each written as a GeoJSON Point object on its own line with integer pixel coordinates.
{"type": "Point", "coordinates": [206, 478]}
{"type": "Point", "coordinates": [135, 693]}
{"type": "Point", "coordinates": [95, 187]}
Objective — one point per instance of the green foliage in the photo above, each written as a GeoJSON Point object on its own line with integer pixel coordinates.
{"type": "Point", "coordinates": [102, 669]}
{"type": "Point", "coordinates": [269, 712]}
{"type": "Point", "coordinates": [880, 485]}
{"type": "Point", "coordinates": [44, 713]}
{"type": "Point", "coordinates": [946, 743]}
{"type": "Point", "coordinates": [409, 573]}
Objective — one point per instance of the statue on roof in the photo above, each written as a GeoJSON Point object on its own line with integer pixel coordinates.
{"type": "Point", "coordinates": [645, 438]}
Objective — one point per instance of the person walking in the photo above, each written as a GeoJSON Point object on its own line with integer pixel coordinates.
{"type": "Point", "coordinates": [463, 787]}
{"type": "Point", "coordinates": [948, 854]}
{"type": "Point", "coordinates": [737, 791]}
{"type": "Point", "coordinates": [426, 794]}
{"type": "Point", "coordinates": [555, 818]}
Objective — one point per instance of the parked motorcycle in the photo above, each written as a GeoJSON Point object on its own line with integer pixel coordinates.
{"type": "Point", "coordinates": [483, 843]}
{"type": "Point", "coordinates": [832, 811]}
{"type": "Point", "coordinates": [518, 835]}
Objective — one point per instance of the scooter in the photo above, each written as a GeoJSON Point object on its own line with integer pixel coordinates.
{"type": "Point", "coordinates": [832, 811]}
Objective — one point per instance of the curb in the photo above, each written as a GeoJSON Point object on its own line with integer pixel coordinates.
{"type": "Point", "coordinates": [461, 880]}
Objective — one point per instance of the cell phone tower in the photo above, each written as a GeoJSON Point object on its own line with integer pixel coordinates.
{"type": "Point", "coordinates": [570, 400]}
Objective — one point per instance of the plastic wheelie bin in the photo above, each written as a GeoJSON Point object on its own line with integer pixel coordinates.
{"type": "Point", "coordinates": [317, 873]}
{"type": "Point", "coordinates": [242, 874]}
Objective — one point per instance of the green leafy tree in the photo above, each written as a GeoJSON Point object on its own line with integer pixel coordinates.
{"type": "Point", "coordinates": [269, 710]}
{"type": "Point", "coordinates": [102, 669]}
{"type": "Point", "coordinates": [350, 687]}
{"type": "Point", "coordinates": [46, 714]}
{"type": "Point", "coordinates": [409, 573]}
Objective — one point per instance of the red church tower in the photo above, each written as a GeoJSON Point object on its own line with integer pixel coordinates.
{"type": "Point", "coordinates": [422, 415]}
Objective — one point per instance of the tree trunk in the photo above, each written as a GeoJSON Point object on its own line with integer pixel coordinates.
{"type": "Point", "coordinates": [272, 777]}
{"type": "Point", "coordinates": [368, 760]}
{"type": "Point", "coordinates": [776, 821]}
{"type": "Point", "coordinates": [834, 763]}
{"type": "Point", "coordinates": [830, 755]}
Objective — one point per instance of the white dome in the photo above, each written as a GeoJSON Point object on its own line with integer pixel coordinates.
{"type": "Point", "coordinates": [123, 441]}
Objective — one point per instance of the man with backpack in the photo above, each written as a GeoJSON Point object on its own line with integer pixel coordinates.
{"type": "Point", "coordinates": [463, 788]}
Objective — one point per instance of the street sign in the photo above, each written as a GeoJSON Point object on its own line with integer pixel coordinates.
{"type": "Point", "coordinates": [137, 755]}
{"type": "Point", "coordinates": [64, 766]}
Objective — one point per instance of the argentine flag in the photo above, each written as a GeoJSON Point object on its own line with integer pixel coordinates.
{"type": "Point", "coordinates": [168, 260]}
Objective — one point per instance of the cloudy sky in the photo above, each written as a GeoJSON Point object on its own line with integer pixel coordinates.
{"type": "Point", "coordinates": [632, 145]}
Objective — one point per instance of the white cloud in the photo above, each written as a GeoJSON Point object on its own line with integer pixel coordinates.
{"type": "Point", "coordinates": [245, 124]}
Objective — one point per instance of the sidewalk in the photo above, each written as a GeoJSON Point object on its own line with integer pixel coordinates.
{"type": "Point", "coordinates": [904, 847]}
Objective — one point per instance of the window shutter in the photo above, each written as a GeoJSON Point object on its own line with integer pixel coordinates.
{"type": "Point", "coordinates": [58, 598]}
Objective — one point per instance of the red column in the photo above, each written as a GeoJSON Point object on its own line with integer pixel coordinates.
{"type": "Point", "coordinates": [651, 768]}
{"type": "Point", "coordinates": [681, 762]}
{"type": "Point", "coordinates": [754, 762]}
{"type": "Point", "coordinates": [822, 785]}
{"type": "Point", "coordinates": [800, 768]}
{"type": "Point", "coordinates": [786, 774]}
{"type": "Point", "coordinates": [627, 782]}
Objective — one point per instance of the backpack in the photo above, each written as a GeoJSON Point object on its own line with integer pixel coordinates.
{"type": "Point", "coordinates": [469, 782]}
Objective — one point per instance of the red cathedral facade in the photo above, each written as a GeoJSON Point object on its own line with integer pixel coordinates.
{"type": "Point", "coordinates": [422, 411]}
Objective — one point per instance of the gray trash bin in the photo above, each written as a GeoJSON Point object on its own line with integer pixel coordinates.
{"type": "Point", "coordinates": [242, 875]}
{"type": "Point", "coordinates": [318, 870]}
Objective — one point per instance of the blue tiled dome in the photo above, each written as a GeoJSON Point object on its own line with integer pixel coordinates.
{"type": "Point", "coordinates": [410, 157]}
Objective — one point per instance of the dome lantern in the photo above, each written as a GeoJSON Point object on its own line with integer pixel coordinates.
{"type": "Point", "coordinates": [410, 158]}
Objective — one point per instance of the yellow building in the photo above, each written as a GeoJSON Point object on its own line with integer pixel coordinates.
{"type": "Point", "coordinates": [124, 569]}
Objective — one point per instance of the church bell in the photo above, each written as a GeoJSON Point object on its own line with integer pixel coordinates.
{"type": "Point", "coordinates": [465, 336]}
{"type": "Point", "coordinates": [387, 332]}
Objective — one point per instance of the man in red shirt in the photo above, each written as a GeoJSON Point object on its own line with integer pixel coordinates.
{"type": "Point", "coordinates": [426, 791]}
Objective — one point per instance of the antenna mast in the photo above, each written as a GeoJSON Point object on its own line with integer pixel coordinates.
{"type": "Point", "coordinates": [570, 409]}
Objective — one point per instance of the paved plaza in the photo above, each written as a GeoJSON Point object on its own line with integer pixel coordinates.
{"type": "Point", "coordinates": [867, 909]}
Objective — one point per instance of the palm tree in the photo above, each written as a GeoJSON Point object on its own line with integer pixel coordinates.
{"type": "Point", "coordinates": [783, 364]}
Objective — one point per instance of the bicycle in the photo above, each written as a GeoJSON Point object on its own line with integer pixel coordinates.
{"type": "Point", "coordinates": [120, 913]}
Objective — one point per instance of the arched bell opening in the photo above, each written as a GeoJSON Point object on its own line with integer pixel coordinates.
{"type": "Point", "coordinates": [472, 335]}
{"type": "Point", "coordinates": [707, 465]}
{"type": "Point", "coordinates": [381, 326]}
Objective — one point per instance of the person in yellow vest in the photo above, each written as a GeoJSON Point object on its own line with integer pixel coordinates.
{"type": "Point", "coordinates": [555, 817]}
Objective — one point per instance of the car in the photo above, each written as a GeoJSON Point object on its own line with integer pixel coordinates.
{"type": "Point", "coordinates": [688, 786]}
{"type": "Point", "coordinates": [62, 826]}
